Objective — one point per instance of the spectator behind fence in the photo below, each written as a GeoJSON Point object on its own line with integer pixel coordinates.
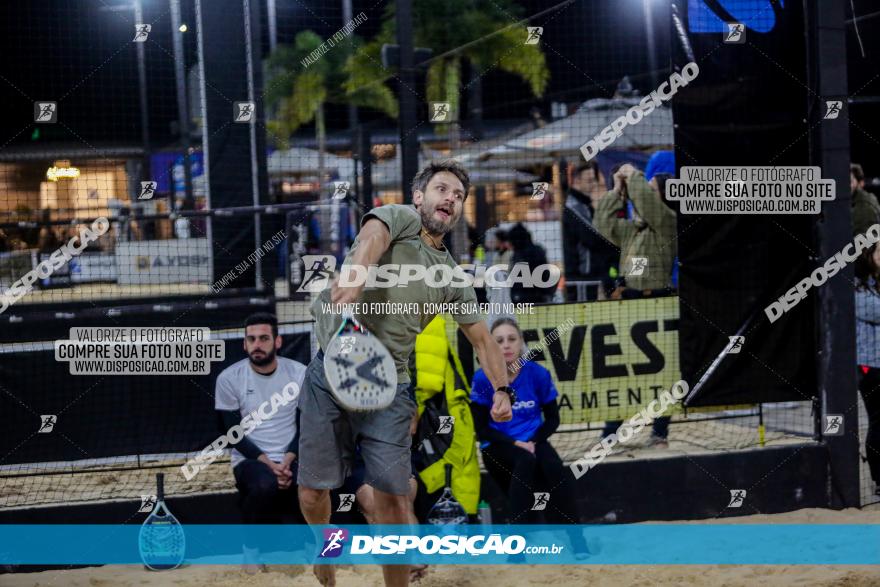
{"type": "Point", "coordinates": [526, 251]}
{"type": "Point", "coordinates": [867, 269]}
{"type": "Point", "coordinates": [48, 241]}
{"type": "Point", "coordinates": [647, 233]}
{"type": "Point", "coordinates": [503, 248]}
{"type": "Point", "coordinates": [588, 256]}
{"type": "Point", "coordinates": [517, 453]}
{"type": "Point", "coordinates": [646, 237]}
{"type": "Point", "coordinates": [865, 208]}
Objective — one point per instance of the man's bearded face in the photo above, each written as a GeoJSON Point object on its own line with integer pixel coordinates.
{"type": "Point", "coordinates": [442, 203]}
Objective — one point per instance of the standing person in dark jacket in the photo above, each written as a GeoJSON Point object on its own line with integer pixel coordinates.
{"type": "Point", "coordinates": [588, 256]}
{"type": "Point", "coordinates": [865, 209]}
{"type": "Point", "coordinates": [526, 251]}
{"type": "Point", "coordinates": [516, 453]}
{"type": "Point", "coordinates": [503, 248]}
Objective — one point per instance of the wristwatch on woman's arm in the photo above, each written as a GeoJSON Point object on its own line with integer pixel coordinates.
{"type": "Point", "coordinates": [509, 391]}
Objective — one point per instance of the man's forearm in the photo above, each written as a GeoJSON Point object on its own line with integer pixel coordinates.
{"type": "Point", "coordinates": [245, 446]}
{"type": "Point", "coordinates": [373, 241]}
{"type": "Point", "coordinates": [492, 363]}
{"type": "Point", "coordinates": [647, 202]}
{"type": "Point", "coordinates": [606, 216]}
{"type": "Point", "coordinates": [368, 252]}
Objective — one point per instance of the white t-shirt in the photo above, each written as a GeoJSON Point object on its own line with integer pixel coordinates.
{"type": "Point", "coordinates": [241, 388]}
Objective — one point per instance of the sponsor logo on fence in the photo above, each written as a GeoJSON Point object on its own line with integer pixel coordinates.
{"type": "Point", "coordinates": [735, 34]}
{"type": "Point", "coordinates": [47, 423]}
{"type": "Point", "coordinates": [541, 501]}
{"type": "Point", "coordinates": [148, 189]}
{"type": "Point", "coordinates": [243, 111]}
{"type": "Point", "coordinates": [735, 345]}
{"type": "Point", "coordinates": [141, 32]}
{"type": "Point", "coordinates": [737, 498]}
{"type": "Point", "coordinates": [441, 112]}
{"type": "Point", "coordinates": [833, 425]}
{"type": "Point", "coordinates": [46, 112]}
{"type": "Point", "coordinates": [534, 35]}
{"type": "Point", "coordinates": [833, 108]}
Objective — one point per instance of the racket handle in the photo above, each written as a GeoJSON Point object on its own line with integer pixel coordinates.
{"type": "Point", "coordinates": [160, 486]}
{"type": "Point", "coordinates": [448, 476]}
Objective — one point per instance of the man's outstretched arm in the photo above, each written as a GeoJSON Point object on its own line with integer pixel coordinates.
{"type": "Point", "coordinates": [373, 240]}
{"type": "Point", "coordinates": [492, 361]}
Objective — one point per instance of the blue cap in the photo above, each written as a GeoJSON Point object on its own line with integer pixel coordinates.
{"type": "Point", "coordinates": [660, 162]}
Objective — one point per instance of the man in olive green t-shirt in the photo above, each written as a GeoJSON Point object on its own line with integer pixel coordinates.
{"type": "Point", "coordinates": [398, 331]}
{"type": "Point", "coordinates": [329, 435]}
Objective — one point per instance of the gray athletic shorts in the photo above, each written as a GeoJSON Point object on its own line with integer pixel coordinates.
{"type": "Point", "coordinates": [328, 435]}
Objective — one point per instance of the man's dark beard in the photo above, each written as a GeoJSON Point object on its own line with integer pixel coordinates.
{"type": "Point", "coordinates": [431, 224]}
{"type": "Point", "coordinates": [266, 360]}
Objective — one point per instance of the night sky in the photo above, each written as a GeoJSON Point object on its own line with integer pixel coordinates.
{"type": "Point", "coordinates": [80, 54]}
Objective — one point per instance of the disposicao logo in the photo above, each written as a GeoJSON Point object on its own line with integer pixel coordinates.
{"type": "Point", "coordinates": [334, 538]}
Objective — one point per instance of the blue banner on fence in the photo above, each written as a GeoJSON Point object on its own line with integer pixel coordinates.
{"type": "Point", "coordinates": [653, 544]}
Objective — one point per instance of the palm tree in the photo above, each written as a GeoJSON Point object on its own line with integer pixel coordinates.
{"type": "Point", "coordinates": [297, 89]}
{"type": "Point", "coordinates": [485, 33]}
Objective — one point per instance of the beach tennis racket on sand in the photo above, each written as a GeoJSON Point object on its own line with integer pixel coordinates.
{"type": "Point", "coordinates": [447, 511]}
{"type": "Point", "coordinates": [161, 541]}
{"type": "Point", "coordinates": [359, 369]}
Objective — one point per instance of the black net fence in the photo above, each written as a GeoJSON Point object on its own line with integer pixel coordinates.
{"type": "Point", "coordinates": [207, 176]}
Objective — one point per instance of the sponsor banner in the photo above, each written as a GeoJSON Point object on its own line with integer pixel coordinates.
{"type": "Point", "coordinates": [60, 276]}
{"type": "Point", "coordinates": [612, 362]}
{"type": "Point", "coordinates": [93, 267]}
{"type": "Point", "coordinates": [164, 261]}
{"type": "Point", "coordinates": [86, 268]}
{"type": "Point", "coordinates": [14, 264]}
{"type": "Point", "coordinates": [608, 359]}
{"type": "Point", "coordinates": [703, 544]}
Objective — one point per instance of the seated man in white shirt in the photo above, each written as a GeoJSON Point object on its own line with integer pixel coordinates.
{"type": "Point", "coordinates": [264, 460]}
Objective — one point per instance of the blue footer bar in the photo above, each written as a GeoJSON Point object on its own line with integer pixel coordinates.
{"type": "Point", "coordinates": [653, 544]}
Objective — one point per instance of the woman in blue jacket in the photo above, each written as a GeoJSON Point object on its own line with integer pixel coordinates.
{"type": "Point", "coordinates": [516, 453]}
{"type": "Point", "coordinates": [867, 269]}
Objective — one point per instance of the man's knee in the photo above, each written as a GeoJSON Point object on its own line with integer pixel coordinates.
{"type": "Point", "coordinates": [257, 482]}
{"type": "Point", "coordinates": [394, 508]}
{"type": "Point", "coordinates": [365, 500]}
{"type": "Point", "coordinates": [311, 498]}
{"type": "Point", "coordinates": [263, 488]}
